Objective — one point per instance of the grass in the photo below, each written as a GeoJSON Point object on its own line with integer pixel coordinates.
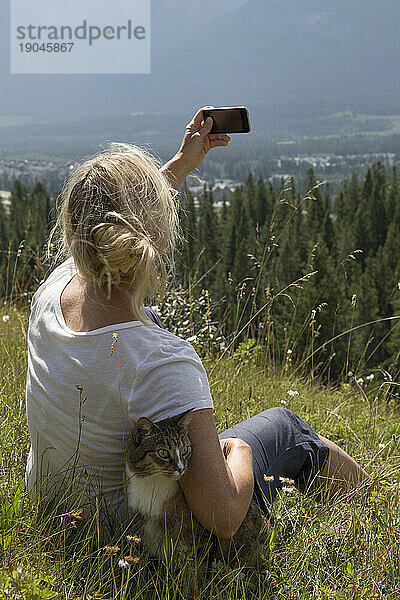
{"type": "Point", "coordinates": [340, 549]}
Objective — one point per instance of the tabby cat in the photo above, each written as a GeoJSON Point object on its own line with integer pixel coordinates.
{"type": "Point", "coordinates": [157, 457]}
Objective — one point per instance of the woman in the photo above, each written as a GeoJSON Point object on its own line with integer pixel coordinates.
{"type": "Point", "coordinates": [98, 361]}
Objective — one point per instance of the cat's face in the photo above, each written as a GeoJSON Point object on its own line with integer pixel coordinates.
{"type": "Point", "coordinates": [161, 448]}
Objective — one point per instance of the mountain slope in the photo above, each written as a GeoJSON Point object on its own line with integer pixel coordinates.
{"type": "Point", "coordinates": [280, 57]}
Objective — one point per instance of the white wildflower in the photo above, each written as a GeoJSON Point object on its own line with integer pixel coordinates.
{"type": "Point", "coordinates": [283, 402]}
{"type": "Point", "coordinates": [288, 490]}
{"type": "Point", "coordinates": [268, 478]}
{"type": "Point", "coordinates": [360, 381]}
{"type": "Point", "coordinates": [134, 538]}
{"type": "Point", "coordinates": [293, 393]}
{"type": "Point", "coordinates": [370, 377]}
{"type": "Point", "coordinates": [6, 318]}
{"type": "Point", "coordinates": [123, 564]}
{"type": "Point", "coordinates": [289, 351]}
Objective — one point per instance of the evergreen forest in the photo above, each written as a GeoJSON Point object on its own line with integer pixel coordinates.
{"type": "Point", "coordinates": [308, 279]}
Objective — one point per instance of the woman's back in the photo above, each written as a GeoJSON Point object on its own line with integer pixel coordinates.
{"type": "Point", "coordinates": [86, 389]}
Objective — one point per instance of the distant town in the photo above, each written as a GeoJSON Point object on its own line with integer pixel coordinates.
{"type": "Point", "coordinates": [332, 169]}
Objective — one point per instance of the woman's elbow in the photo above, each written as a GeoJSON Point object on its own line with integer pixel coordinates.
{"type": "Point", "coordinates": [224, 525]}
{"type": "Point", "coordinates": [226, 514]}
{"type": "Point", "coordinates": [227, 533]}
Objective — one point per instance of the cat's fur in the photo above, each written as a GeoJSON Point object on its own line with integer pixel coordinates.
{"type": "Point", "coordinates": [157, 458]}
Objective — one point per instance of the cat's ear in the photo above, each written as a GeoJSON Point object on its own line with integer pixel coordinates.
{"type": "Point", "coordinates": [184, 420]}
{"type": "Point", "coordinates": [143, 427]}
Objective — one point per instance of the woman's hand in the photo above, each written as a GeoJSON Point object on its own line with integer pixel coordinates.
{"type": "Point", "coordinates": [196, 142]}
{"type": "Point", "coordinates": [228, 445]}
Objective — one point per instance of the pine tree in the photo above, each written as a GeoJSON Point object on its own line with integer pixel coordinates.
{"type": "Point", "coordinates": [346, 227]}
{"type": "Point", "coordinates": [315, 207]}
{"type": "Point", "coordinates": [187, 253]}
{"type": "Point", "coordinates": [321, 300]}
{"type": "Point", "coordinates": [327, 226]}
{"type": "Point", "coordinates": [3, 247]}
{"type": "Point", "coordinates": [393, 342]}
{"type": "Point", "coordinates": [371, 214]}
{"type": "Point", "coordinates": [39, 205]}
{"type": "Point", "coordinates": [365, 337]}
{"type": "Point", "coordinates": [262, 207]}
{"type": "Point", "coordinates": [207, 236]}
{"type": "Point", "coordinates": [250, 196]}
{"type": "Point", "coordinates": [392, 204]}
{"type": "Point", "coordinates": [19, 213]}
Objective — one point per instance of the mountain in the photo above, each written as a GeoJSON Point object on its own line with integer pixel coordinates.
{"type": "Point", "coordinates": [281, 58]}
{"type": "Point", "coordinates": [288, 58]}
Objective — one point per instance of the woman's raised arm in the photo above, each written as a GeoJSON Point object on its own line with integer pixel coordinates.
{"type": "Point", "coordinates": [219, 482]}
{"type": "Point", "coordinates": [196, 142]}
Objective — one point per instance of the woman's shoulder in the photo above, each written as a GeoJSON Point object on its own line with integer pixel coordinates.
{"type": "Point", "coordinates": [162, 344]}
{"type": "Point", "coordinates": [169, 380]}
{"type": "Point", "coordinates": [66, 269]}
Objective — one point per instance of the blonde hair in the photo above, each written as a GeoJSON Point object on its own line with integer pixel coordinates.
{"type": "Point", "coordinates": [117, 216]}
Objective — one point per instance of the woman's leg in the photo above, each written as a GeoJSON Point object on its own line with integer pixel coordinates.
{"type": "Point", "coordinates": [284, 448]}
{"type": "Point", "coordinates": [340, 473]}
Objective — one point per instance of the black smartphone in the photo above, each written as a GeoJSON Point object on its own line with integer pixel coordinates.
{"type": "Point", "coordinates": [228, 119]}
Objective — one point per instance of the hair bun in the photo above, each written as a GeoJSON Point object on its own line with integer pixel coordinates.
{"type": "Point", "coordinates": [118, 219]}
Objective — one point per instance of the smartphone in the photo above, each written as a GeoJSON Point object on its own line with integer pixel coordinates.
{"type": "Point", "coordinates": [228, 119]}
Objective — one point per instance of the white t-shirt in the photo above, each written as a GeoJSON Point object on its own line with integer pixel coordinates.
{"type": "Point", "coordinates": [125, 370]}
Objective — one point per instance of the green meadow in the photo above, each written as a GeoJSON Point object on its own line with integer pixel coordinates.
{"type": "Point", "coordinates": [336, 548]}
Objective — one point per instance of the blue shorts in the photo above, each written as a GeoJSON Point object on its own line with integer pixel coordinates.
{"type": "Point", "coordinates": [283, 445]}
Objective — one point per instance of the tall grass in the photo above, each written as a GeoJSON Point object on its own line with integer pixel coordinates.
{"type": "Point", "coordinates": [341, 549]}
